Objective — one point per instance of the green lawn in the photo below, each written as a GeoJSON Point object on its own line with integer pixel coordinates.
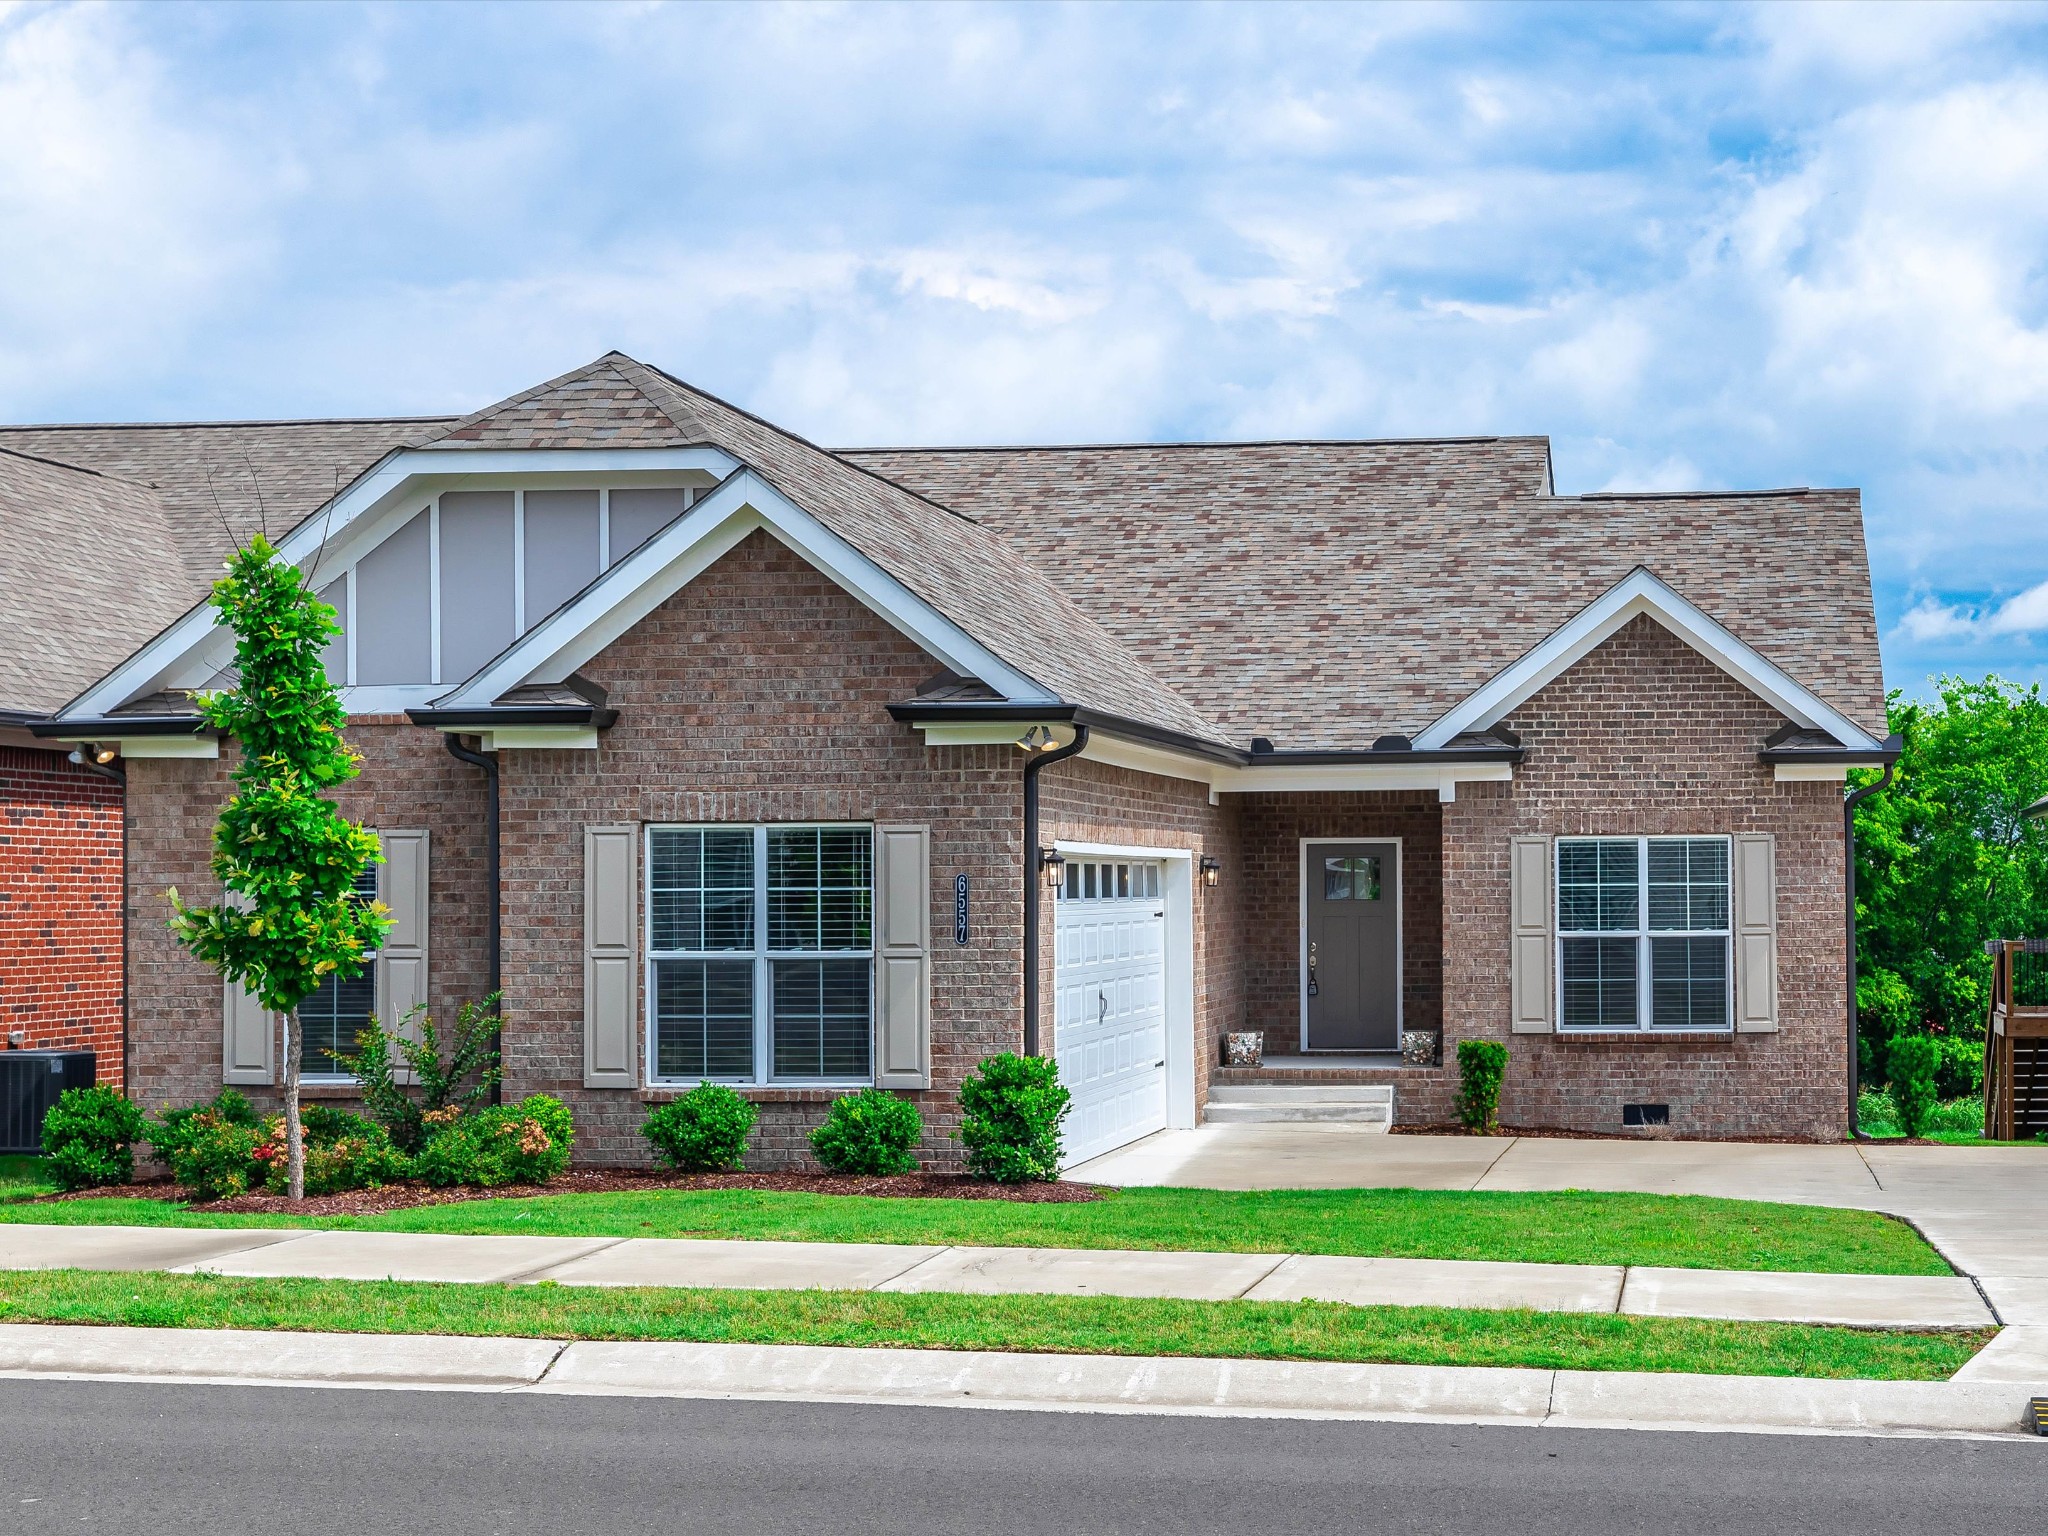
{"type": "Point", "coordinates": [22, 1178]}
{"type": "Point", "coordinates": [1067, 1324]}
{"type": "Point", "coordinates": [1558, 1228]}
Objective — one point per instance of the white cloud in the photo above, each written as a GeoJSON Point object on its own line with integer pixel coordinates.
{"type": "Point", "coordinates": [2023, 614]}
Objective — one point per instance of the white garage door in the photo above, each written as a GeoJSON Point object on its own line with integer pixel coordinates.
{"type": "Point", "coordinates": [1109, 1027]}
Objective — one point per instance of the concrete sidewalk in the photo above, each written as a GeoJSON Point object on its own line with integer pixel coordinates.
{"type": "Point", "coordinates": [1060, 1383]}
{"type": "Point", "coordinates": [1869, 1301]}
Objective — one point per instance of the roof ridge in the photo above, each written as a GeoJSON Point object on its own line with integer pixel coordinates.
{"type": "Point", "coordinates": [193, 426]}
{"type": "Point", "coordinates": [607, 362]}
{"type": "Point", "coordinates": [837, 457]}
{"type": "Point", "coordinates": [1257, 442]}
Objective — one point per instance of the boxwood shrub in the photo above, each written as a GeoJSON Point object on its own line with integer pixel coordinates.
{"type": "Point", "coordinates": [704, 1131]}
{"type": "Point", "coordinates": [89, 1136]}
{"type": "Point", "coordinates": [1482, 1064]}
{"type": "Point", "coordinates": [1010, 1114]}
{"type": "Point", "coordinates": [870, 1133]}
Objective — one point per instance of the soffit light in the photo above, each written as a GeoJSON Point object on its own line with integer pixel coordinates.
{"type": "Point", "coordinates": [1038, 739]}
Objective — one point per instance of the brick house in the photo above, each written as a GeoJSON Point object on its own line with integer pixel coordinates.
{"type": "Point", "coordinates": [726, 756]}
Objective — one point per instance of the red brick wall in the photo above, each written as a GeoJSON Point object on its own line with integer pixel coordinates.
{"type": "Point", "coordinates": [1088, 802]}
{"type": "Point", "coordinates": [1644, 736]}
{"type": "Point", "coordinates": [1272, 828]}
{"type": "Point", "coordinates": [60, 906]}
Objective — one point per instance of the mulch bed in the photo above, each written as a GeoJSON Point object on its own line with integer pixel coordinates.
{"type": "Point", "coordinates": [594, 1181]}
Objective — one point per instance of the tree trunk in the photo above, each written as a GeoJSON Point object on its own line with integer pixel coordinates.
{"type": "Point", "coordinates": [294, 1135]}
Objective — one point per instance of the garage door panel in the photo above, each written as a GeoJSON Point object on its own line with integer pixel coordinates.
{"type": "Point", "coordinates": [1110, 1029]}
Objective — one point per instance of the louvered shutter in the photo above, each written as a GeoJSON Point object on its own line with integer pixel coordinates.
{"type": "Point", "coordinates": [248, 1048]}
{"type": "Point", "coordinates": [903, 957]}
{"type": "Point", "coordinates": [1530, 938]}
{"type": "Point", "coordinates": [402, 960]}
{"type": "Point", "coordinates": [609, 903]}
{"type": "Point", "coordinates": [1754, 888]}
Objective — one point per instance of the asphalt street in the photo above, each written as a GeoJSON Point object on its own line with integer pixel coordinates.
{"type": "Point", "coordinates": [223, 1460]}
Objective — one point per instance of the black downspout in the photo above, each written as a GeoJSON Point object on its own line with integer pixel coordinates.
{"type": "Point", "coordinates": [83, 757]}
{"type": "Point", "coordinates": [1032, 877]}
{"type": "Point", "coordinates": [1850, 801]}
{"type": "Point", "coordinates": [492, 930]}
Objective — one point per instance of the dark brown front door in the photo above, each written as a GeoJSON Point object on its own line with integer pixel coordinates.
{"type": "Point", "coordinates": [1354, 947]}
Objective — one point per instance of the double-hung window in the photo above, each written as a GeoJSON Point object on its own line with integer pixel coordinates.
{"type": "Point", "coordinates": [340, 1010]}
{"type": "Point", "coordinates": [1643, 933]}
{"type": "Point", "coordinates": [760, 954]}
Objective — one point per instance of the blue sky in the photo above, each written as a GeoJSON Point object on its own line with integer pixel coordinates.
{"type": "Point", "coordinates": [1698, 246]}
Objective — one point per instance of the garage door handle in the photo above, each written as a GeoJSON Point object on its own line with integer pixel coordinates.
{"type": "Point", "coordinates": [1102, 1010]}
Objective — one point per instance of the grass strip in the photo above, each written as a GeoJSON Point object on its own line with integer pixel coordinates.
{"type": "Point", "coordinates": [1569, 1227]}
{"type": "Point", "coordinates": [1102, 1325]}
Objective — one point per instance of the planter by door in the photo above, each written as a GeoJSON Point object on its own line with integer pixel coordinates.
{"type": "Point", "coordinates": [1351, 946]}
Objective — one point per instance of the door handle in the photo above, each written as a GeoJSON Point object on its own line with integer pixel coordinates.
{"type": "Point", "coordinates": [1314, 990]}
{"type": "Point", "coordinates": [1102, 1009]}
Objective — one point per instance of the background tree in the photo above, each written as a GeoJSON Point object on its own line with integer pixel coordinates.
{"type": "Point", "coordinates": [287, 858]}
{"type": "Point", "coordinates": [1946, 859]}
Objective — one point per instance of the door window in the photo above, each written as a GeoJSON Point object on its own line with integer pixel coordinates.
{"type": "Point", "coordinates": [1352, 878]}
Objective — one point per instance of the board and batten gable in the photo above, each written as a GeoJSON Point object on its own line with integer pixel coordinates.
{"type": "Point", "coordinates": [1646, 737]}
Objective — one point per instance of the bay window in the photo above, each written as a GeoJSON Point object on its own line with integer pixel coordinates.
{"type": "Point", "coordinates": [1643, 934]}
{"type": "Point", "coordinates": [760, 953]}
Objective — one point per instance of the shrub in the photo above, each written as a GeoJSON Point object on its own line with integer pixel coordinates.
{"type": "Point", "coordinates": [1958, 1067]}
{"type": "Point", "coordinates": [211, 1148]}
{"type": "Point", "coordinates": [459, 1080]}
{"type": "Point", "coordinates": [871, 1132]}
{"type": "Point", "coordinates": [523, 1143]}
{"type": "Point", "coordinates": [704, 1131]}
{"type": "Point", "coordinates": [1911, 1065]}
{"type": "Point", "coordinates": [1482, 1064]}
{"type": "Point", "coordinates": [1010, 1114]}
{"type": "Point", "coordinates": [343, 1152]}
{"type": "Point", "coordinates": [88, 1138]}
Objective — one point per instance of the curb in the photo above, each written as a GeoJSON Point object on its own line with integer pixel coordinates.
{"type": "Point", "coordinates": [1031, 1382]}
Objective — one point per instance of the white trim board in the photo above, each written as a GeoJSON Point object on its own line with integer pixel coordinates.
{"type": "Point", "coordinates": [354, 520]}
{"type": "Point", "coordinates": [1641, 592]}
{"type": "Point", "coordinates": [634, 587]}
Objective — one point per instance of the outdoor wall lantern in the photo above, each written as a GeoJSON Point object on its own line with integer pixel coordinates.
{"type": "Point", "coordinates": [1055, 867]}
{"type": "Point", "coordinates": [1212, 870]}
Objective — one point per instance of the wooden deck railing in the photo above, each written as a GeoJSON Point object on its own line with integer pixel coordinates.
{"type": "Point", "coordinates": [2016, 1041]}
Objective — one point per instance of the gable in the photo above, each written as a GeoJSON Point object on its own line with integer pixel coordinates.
{"type": "Point", "coordinates": [1641, 594]}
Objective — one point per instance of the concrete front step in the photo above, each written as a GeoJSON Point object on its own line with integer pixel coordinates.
{"type": "Point", "coordinates": [1267, 1103]}
{"type": "Point", "coordinates": [1295, 1093]}
{"type": "Point", "coordinates": [1264, 1114]}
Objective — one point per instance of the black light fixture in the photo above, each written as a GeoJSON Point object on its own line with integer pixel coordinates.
{"type": "Point", "coordinates": [1038, 739]}
{"type": "Point", "coordinates": [106, 755]}
{"type": "Point", "coordinates": [99, 752]}
{"type": "Point", "coordinates": [1212, 870]}
{"type": "Point", "coordinates": [1055, 866]}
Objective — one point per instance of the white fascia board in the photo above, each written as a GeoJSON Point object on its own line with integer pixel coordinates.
{"type": "Point", "coordinates": [1641, 592]}
{"type": "Point", "coordinates": [987, 733]}
{"type": "Point", "coordinates": [1120, 850]}
{"type": "Point", "coordinates": [340, 533]}
{"type": "Point", "coordinates": [207, 745]}
{"type": "Point", "coordinates": [633, 588]}
{"type": "Point", "coordinates": [1286, 778]}
{"type": "Point", "coordinates": [551, 738]}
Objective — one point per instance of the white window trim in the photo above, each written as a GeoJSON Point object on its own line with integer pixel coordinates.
{"type": "Point", "coordinates": [760, 955]}
{"type": "Point", "coordinates": [1642, 934]}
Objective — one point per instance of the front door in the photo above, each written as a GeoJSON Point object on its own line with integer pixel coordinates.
{"type": "Point", "coordinates": [1353, 946]}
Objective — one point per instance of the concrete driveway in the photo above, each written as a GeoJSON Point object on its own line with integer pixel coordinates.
{"type": "Point", "coordinates": [1986, 1208]}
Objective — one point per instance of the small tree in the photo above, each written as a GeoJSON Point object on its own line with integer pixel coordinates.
{"type": "Point", "coordinates": [286, 857]}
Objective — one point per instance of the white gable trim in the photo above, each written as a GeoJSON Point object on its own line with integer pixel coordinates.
{"type": "Point", "coordinates": [347, 527]}
{"type": "Point", "coordinates": [1640, 592]}
{"type": "Point", "coordinates": [633, 588]}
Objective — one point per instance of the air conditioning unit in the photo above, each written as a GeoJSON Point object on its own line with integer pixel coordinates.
{"type": "Point", "coordinates": [29, 1084]}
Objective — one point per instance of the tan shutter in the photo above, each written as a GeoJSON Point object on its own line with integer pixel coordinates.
{"type": "Point", "coordinates": [1529, 899]}
{"type": "Point", "coordinates": [402, 959]}
{"type": "Point", "coordinates": [903, 957]}
{"type": "Point", "coordinates": [610, 899]}
{"type": "Point", "coordinates": [248, 1045]}
{"type": "Point", "coordinates": [1754, 887]}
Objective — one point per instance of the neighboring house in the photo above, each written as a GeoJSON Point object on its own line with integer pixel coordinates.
{"type": "Point", "coordinates": [731, 757]}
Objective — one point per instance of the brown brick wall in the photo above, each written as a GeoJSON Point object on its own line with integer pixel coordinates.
{"type": "Point", "coordinates": [1646, 737]}
{"type": "Point", "coordinates": [60, 907]}
{"type": "Point", "coordinates": [1088, 802]}
{"type": "Point", "coordinates": [1272, 827]}
{"type": "Point", "coordinates": [757, 694]}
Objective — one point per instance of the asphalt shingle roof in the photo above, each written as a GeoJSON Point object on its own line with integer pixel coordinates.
{"type": "Point", "coordinates": [1321, 594]}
